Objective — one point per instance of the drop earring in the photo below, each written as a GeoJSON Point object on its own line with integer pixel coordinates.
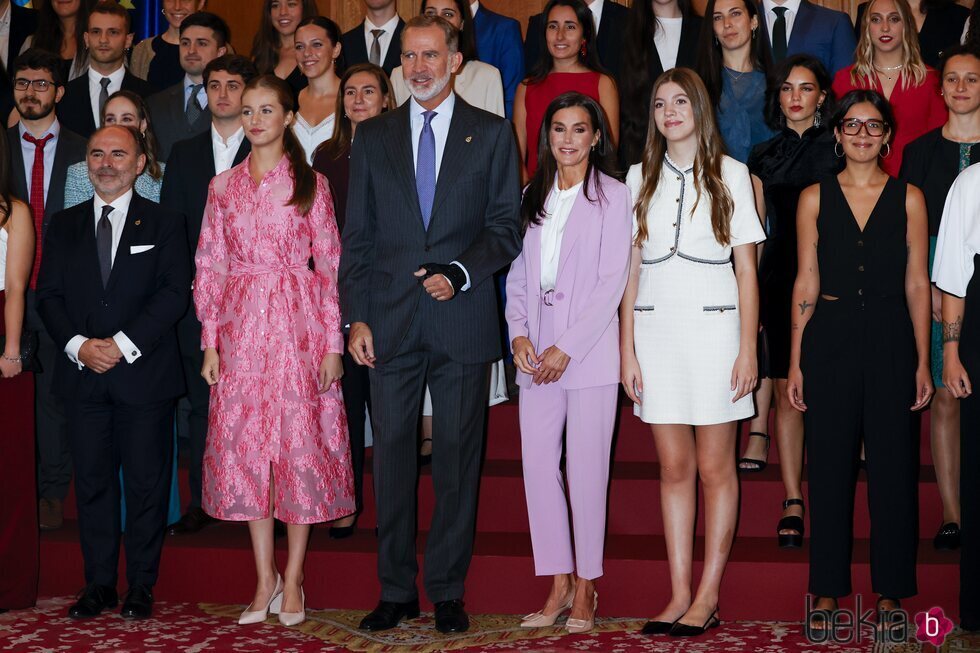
{"type": "Point", "coordinates": [816, 117]}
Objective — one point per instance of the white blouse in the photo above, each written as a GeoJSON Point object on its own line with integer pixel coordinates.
{"type": "Point", "coordinates": [311, 136]}
{"type": "Point", "coordinates": [557, 208]}
{"type": "Point", "coordinates": [959, 234]}
{"type": "Point", "coordinates": [479, 85]}
{"type": "Point", "coordinates": [676, 226]}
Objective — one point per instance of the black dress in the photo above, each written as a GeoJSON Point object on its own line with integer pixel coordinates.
{"type": "Point", "coordinates": [941, 30]}
{"type": "Point", "coordinates": [786, 164]}
{"type": "Point", "coordinates": [858, 359]}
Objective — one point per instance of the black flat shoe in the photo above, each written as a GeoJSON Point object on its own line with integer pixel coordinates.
{"type": "Point", "coordinates": [388, 614]}
{"type": "Point", "coordinates": [657, 627]}
{"type": "Point", "coordinates": [685, 630]}
{"type": "Point", "coordinates": [948, 537]}
{"type": "Point", "coordinates": [756, 464]}
{"type": "Point", "coordinates": [791, 523]}
{"type": "Point", "coordinates": [193, 521]}
{"type": "Point", "coordinates": [340, 532]}
{"type": "Point", "coordinates": [451, 617]}
{"type": "Point", "coordinates": [138, 603]}
{"type": "Point", "coordinates": [92, 601]}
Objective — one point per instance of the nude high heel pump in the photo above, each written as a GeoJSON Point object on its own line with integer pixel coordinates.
{"type": "Point", "coordinates": [584, 625]}
{"type": "Point", "coordinates": [541, 620]}
{"type": "Point", "coordinates": [258, 616]}
{"type": "Point", "coordinates": [295, 618]}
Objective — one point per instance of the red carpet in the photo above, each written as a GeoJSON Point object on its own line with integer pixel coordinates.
{"type": "Point", "coordinates": [210, 628]}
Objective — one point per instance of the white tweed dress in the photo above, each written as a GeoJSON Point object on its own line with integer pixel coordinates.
{"type": "Point", "coordinates": [686, 317]}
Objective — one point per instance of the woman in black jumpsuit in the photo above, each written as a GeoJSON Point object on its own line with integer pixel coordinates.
{"type": "Point", "coordinates": [862, 360]}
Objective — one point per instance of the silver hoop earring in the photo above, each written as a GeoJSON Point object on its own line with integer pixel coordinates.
{"type": "Point", "coordinates": [841, 154]}
{"type": "Point", "coordinates": [887, 150]}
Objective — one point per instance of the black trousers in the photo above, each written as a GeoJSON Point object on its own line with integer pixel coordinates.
{"type": "Point", "coordinates": [357, 401]}
{"type": "Point", "coordinates": [970, 464]}
{"type": "Point", "coordinates": [195, 413]}
{"type": "Point", "coordinates": [858, 366]}
{"type": "Point", "coordinates": [53, 451]}
{"type": "Point", "coordinates": [459, 402]}
{"type": "Point", "coordinates": [106, 435]}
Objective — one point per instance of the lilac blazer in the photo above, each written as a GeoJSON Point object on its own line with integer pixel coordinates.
{"type": "Point", "coordinates": [593, 266]}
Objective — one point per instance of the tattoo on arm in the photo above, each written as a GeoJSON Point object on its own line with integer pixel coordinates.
{"type": "Point", "coordinates": [805, 305]}
{"type": "Point", "coordinates": [951, 330]}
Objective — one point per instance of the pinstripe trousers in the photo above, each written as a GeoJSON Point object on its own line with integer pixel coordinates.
{"type": "Point", "coordinates": [459, 400]}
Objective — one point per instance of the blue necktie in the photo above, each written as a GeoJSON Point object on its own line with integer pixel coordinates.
{"type": "Point", "coordinates": [425, 168]}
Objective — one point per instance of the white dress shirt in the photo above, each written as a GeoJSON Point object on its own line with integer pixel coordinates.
{"type": "Point", "coordinates": [202, 94]}
{"type": "Point", "coordinates": [792, 8]}
{"type": "Point", "coordinates": [27, 149]}
{"type": "Point", "coordinates": [5, 38]}
{"type": "Point", "coordinates": [667, 38]}
{"type": "Point", "coordinates": [95, 88]}
{"type": "Point", "coordinates": [558, 207]}
{"type": "Point", "coordinates": [384, 40]}
{"type": "Point", "coordinates": [596, 8]}
{"type": "Point", "coordinates": [474, 7]}
{"type": "Point", "coordinates": [118, 220]}
{"type": "Point", "coordinates": [225, 150]}
{"type": "Point", "coordinates": [959, 234]}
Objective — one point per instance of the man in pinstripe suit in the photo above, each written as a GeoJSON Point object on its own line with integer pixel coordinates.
{"type": "Point", "coordinates": [433, 212]}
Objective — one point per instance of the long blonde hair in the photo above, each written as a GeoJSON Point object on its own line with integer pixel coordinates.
{"type": "Point", "coordinates": [707, 161]}
{"type": "Point", "coordinates": [913, 68]}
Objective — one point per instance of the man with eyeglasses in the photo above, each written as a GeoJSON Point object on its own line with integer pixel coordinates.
{"type": "Point", "coordinates": [40, 151]}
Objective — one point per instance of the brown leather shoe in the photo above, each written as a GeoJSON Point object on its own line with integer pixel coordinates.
{"type": "Point", "coordinates": [49, 514]}
{"type": "Point", "coordinates": [194, 520]}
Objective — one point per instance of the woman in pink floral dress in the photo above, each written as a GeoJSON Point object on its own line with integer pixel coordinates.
{"type": "Point", "coordinates": [277, 432]}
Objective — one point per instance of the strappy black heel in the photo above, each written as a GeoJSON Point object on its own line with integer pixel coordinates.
{"type": "Point", "coordinates": [791, 523]}
{"type": "Point", "coordinates": [757, 465]}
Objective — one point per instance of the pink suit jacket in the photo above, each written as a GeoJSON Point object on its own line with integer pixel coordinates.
{"type": "Point", "coordinates": [593, 267]}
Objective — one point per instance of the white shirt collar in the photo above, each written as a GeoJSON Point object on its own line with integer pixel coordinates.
{"type": "Point", "coordinates": [121, 203]}
{"type": "Point", "coordinates": [388, 27]}
{"type": "Point", "coordinates": [5, 18]}
{"type": "Point", "coordinates": [54, 130]}
{"type": "Point", "coordinates": [474, 7]}
{"type": "Point", "coordinates": [115, 77]}
{"type": "Point", "coordinates": [596, 9]}
{"type": "Point", "coordinates": [445, 108]}
{"type": "Point", "coordinates": [792, 6]}
{"type": "Point", "coordinates": [233, 140]}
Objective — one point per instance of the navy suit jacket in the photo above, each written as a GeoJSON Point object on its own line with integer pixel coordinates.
{"type": "Point", "coordinates": [146, 295]}
{"type": "Point", "coordinates": [75, 108]}
{"type": "Point", "coordinates": [609, 40]}
{"type": "Point", "coordinates": [355, 48]}
{"type": "Point", "coordinates": [824, 33]}
{"type": "Point", "coordinates": [498, 43]}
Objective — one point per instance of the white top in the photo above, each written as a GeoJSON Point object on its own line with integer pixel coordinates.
{"type": "Point", "coordinates": [478, 84]}
{"type": "Point", "coordinates": [311, 136]}
{"type": "Point", "coordinates": [118, 220]}
{"type": "Point", "coordinates": [474, 7]}
{"type": "Point", "coordinates": [5, 37]}
{"type": "Point", "coordinates": [3, 259]}
{"type": "Point", "coordinates": [959, 234]}
{"type": "Point", "coordinates": [95, 88]}
{"type": "Point", "coordinates": [225, 151]}
{"type": "Point", "coordinates": [792, 8]}
{"type": "Point", "coordinates": [558, 208]}
{"type": "Point", "coordinates": [28, 149]}
{"type": "Point", "coordinates": [596, 8]}
{"type": "Point", "coordinates": [667, 38]}
{"type": "Point", "coordinates": [675, 226]}
{"type": "Point", "coordinates": [384, 40]}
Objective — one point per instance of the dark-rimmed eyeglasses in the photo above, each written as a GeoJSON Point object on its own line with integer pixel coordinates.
{"type": "Point", "coordinates": [853, 126]}
{"type": "Point", "coordinates": [40, 85]}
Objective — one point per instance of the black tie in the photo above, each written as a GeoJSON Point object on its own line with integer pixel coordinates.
{"type": "Point", "coordinates": [103, 243]}
{"type": "Point", "coordinates": [779, 34]}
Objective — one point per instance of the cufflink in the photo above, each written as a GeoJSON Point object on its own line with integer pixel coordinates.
{"type": "Point", "coordinates": [133, 354]}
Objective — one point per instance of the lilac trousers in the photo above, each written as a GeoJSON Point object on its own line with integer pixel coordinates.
{"type": "Point", "coordinates": [588, 416]}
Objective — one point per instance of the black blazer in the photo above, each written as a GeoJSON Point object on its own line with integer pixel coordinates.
{"type": "Point", "coordinates": [69, 151]}
{"type": "Point", "coordinates": [609, 40]}
{"type": "Point", "coordinates": [475, 220]}
{"type": "Point", "coordinates": [355, 48]}
{"type": "Point", "coordinates": [169, 121]}
{"type": "Point", "coordinates": [187, 178]}
{"type": "Point", "coordinates": [147, 293]}
{"type": "Point", "coordinates": [931, 163]}
{"type": "Point", "coordinates": [75, 108]}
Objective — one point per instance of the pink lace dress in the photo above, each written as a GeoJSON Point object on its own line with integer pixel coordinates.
{"type": "Point", "coordinates": [272, 320]}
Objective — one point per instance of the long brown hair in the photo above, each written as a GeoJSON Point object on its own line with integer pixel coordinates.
{"type": "Point", "coordinates": [343, 132]}
{"type": "Point", "coordinates": [707, 161]}
{"type": "Point", "coordinates": [50, 32]}
{"type": "Point", "coordinates": [6, 198]}
{"type": "Point", "coordinates": [265, 46]}
{"type": "Point", "coordinates": [304, 180]}
{"type": "Point", "coordinates": [913, 68]}
{"type": "Point", "coordinates": [149, 139]}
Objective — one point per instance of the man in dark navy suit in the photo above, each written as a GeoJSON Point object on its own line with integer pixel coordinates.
{"type": "Point", "coordinates": [378, 39]}
{"type": "Point", "coordinates": [498, 43]}
{"type": "Point", "coordinates": [114, 281]}
{"type": "Point", "coordinates": [801, 27]}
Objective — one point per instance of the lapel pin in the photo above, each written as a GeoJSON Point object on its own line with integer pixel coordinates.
{"type": "Point", "coordinates": [469, 139]}
{"type": "Point", "coordinates": [137, 223]}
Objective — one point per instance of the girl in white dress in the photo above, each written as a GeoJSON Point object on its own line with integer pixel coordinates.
{"type": "Point", "coordinates": [689, 320]}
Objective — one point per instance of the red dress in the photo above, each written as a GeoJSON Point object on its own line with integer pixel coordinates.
{"type": "Point", "coordinates": [540, 95]}
{"type": "Point", "coordinates": [18, 510]}
{"type": "Point", "coordinates": [918, 109]}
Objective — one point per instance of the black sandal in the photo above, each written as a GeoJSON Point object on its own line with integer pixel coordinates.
{"type": "Point", "coordinates": [791, 523]}
{"type": "Point", "coordinates": [759, 464]}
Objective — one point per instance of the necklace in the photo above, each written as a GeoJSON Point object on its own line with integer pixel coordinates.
{"type": "Point", "coordinates": [888, 69]}
{"type": "Point", "coordinates": [735, 78]}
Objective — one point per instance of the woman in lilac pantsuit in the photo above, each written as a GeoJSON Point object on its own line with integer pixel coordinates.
{"type": "Point", "coordinates": [277, 432]}
{"type": "Point", "coordinates": [563, 292]}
